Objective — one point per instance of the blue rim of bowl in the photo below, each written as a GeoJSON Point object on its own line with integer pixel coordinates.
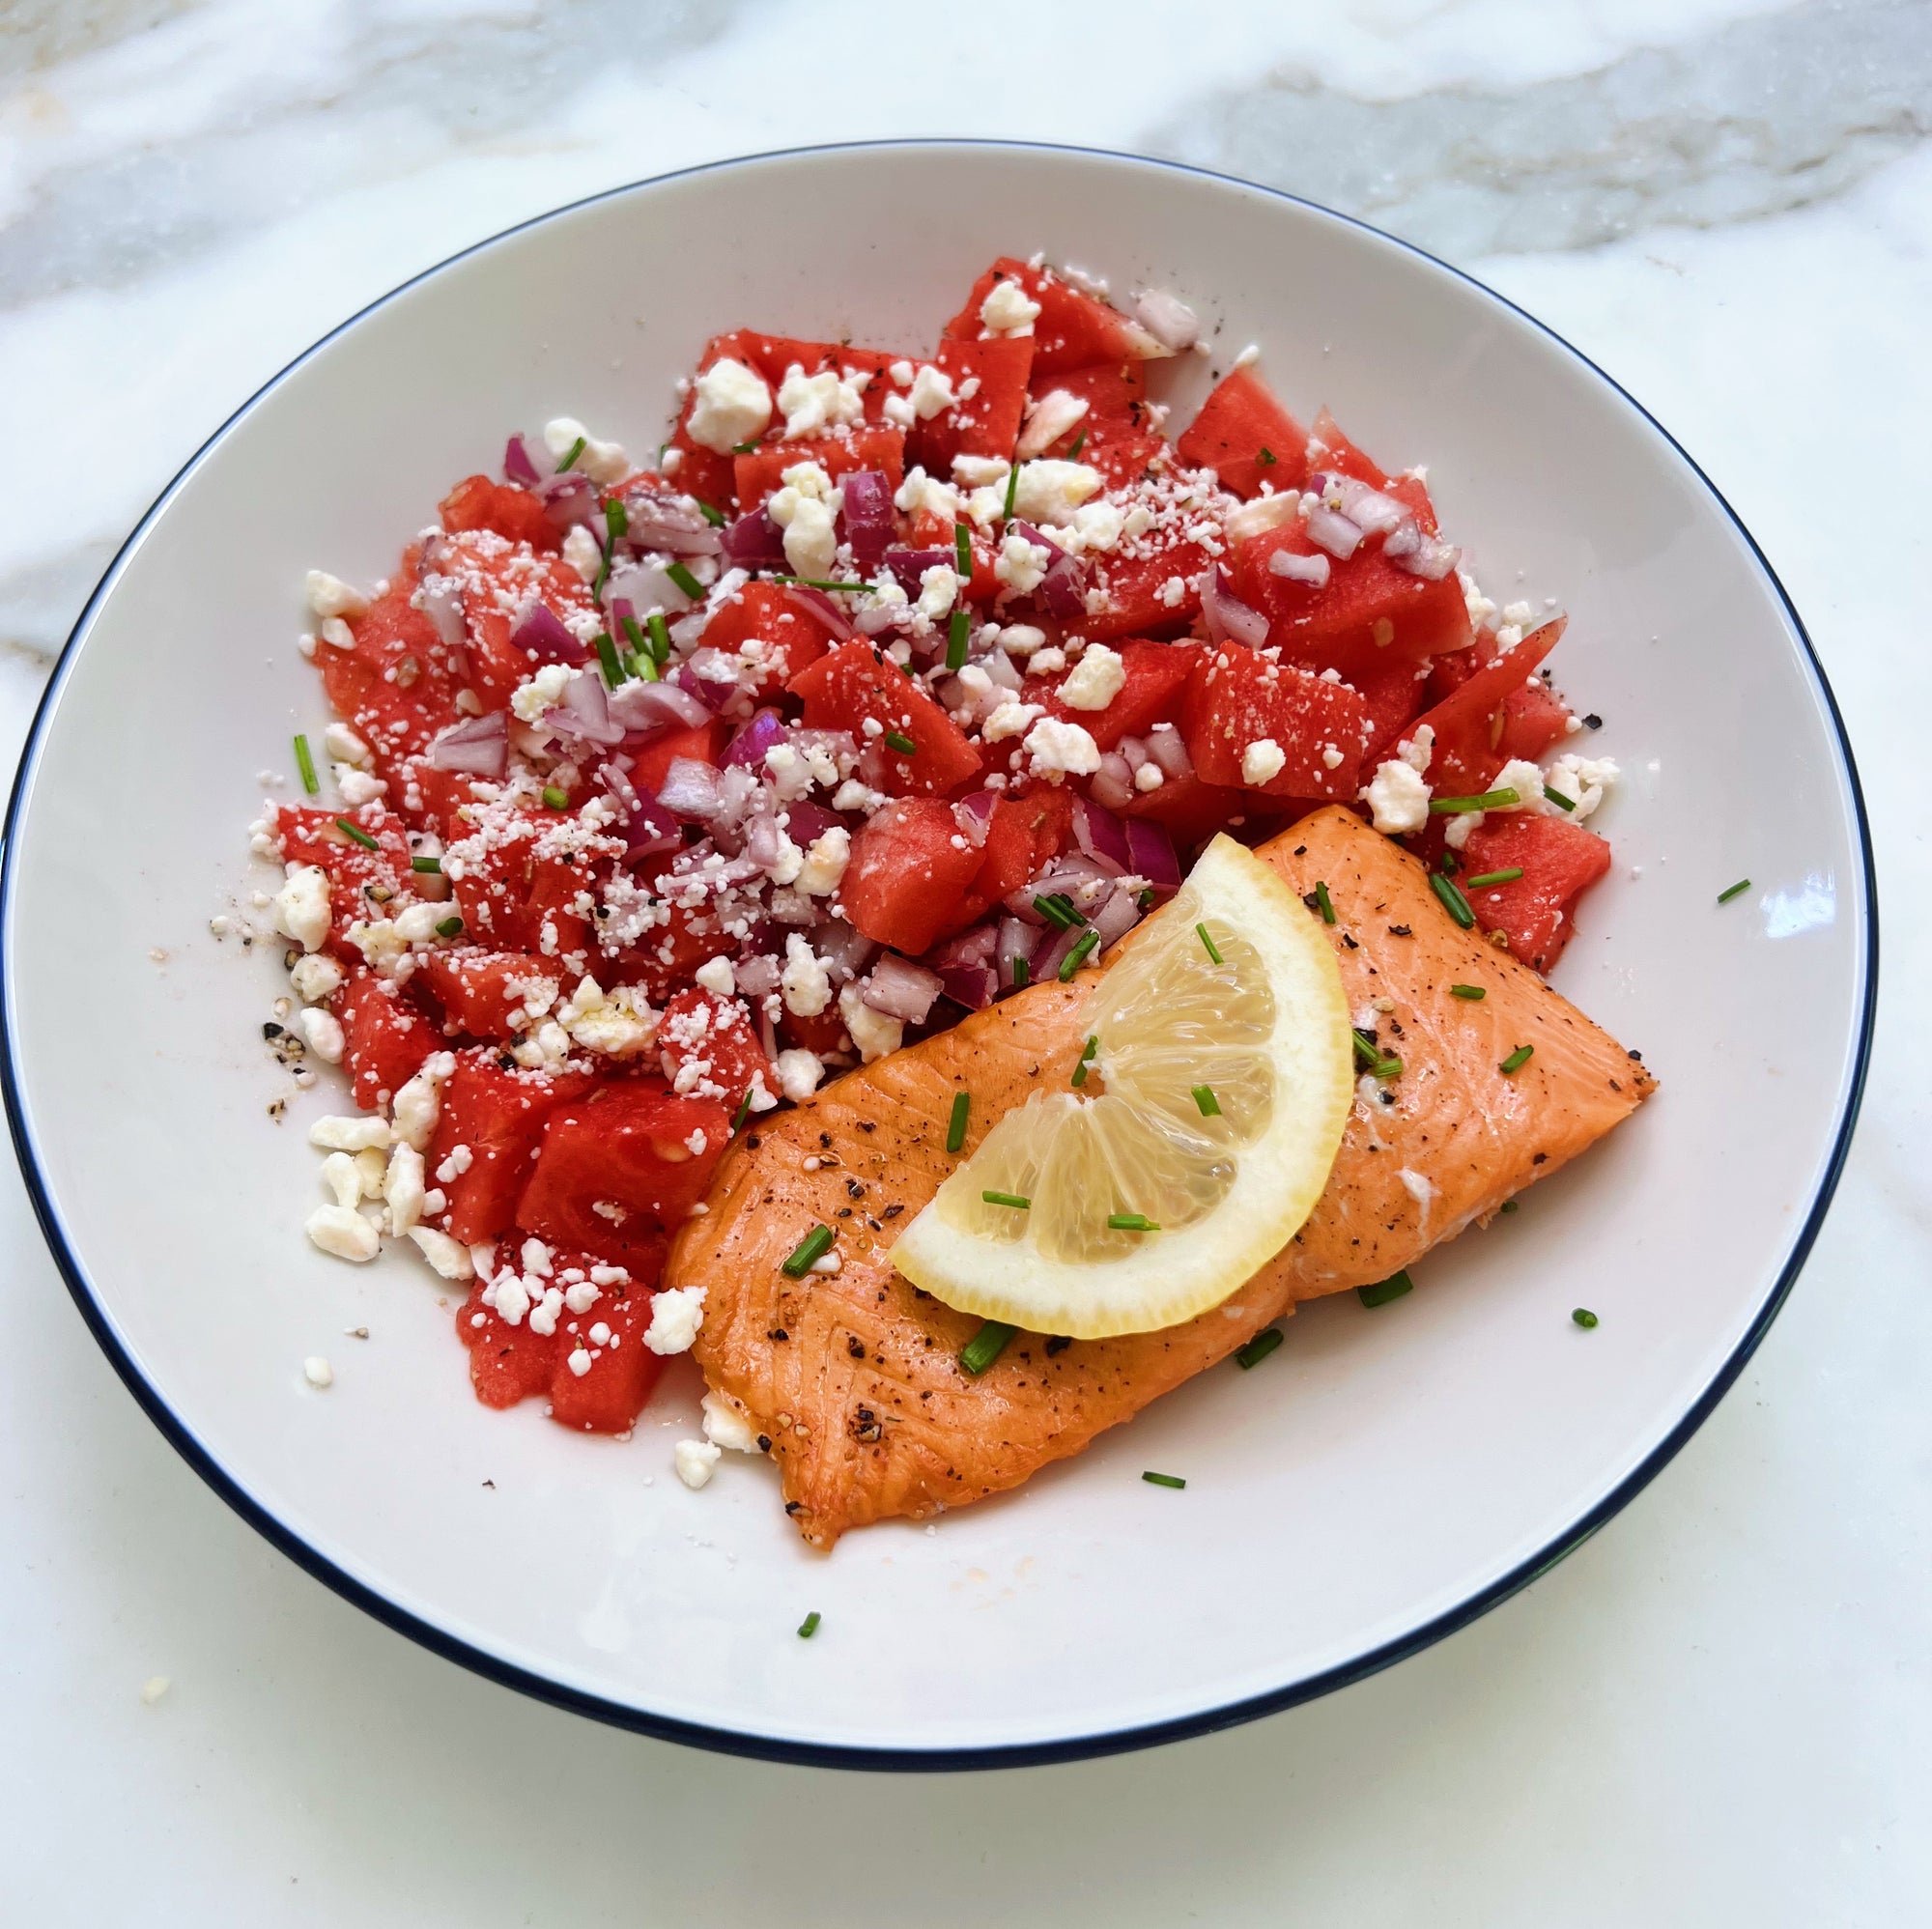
{"type": "Point", "coordinates": [822, 1754]}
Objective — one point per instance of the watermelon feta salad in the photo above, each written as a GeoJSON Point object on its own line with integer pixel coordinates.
{"type": "Point", "coordinates": [894, 682]}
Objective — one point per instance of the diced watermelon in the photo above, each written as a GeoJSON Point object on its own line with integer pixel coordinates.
{"type": "Point", "coordinates": [496, 1113]}
{"type": "Point", "coordinates": [1022, 835]}
{"type": "Point", "coordinates": [397, 686]}
{"type": "Point", "coordinates": [762, 471]}
{"type": "Point", "coordinates": [506, 1363]}
{"type": "Point", "coordinates": [1247, 438]}
{"type": "Point", "coordinates": [793, 634]}
{"type": "Point", "coordinates": [1115, 396]}
{"type": "Point", "coordinates": [1192, 811]}
{"type": "Point", "coordinates": [1157, 676]}
{"type": "Point", "coordinates": [1072, 329]}
{"type": "Point", "coordinates": [1330, 449]}
{"type": "Point", "coordinates": [988, 422]}
{"type": "Point", "coordinates": [640, 1153]}
{"type": "Point", "coordinates": [1236, 698]}
{"type": "Point", "coordinates": [664, 959]}
{"type": "Point", "coordinates": [710, 1049]}
{"type": "Point", "coordinates": [430, 798]}
{"type": "Point", "coordinates": [910, 869]}
{"type": "Point", "coordinates": [386, 1038]}
{"type": "Point", "coordinates": [312, 834]}
{"type": "Point", "coordinates": [1469, 722]}
{"type": "Point", "coordinates": [850, 685]}
{"type": "Point", "coordinates": [479, 990]}
{"type": "Point", "coordinates": [479, 504]}
{"type": "Point", "coordinates": [611, 1392]}
{"type": "Point", "coordinates": [496, 583]}
{"type": "Point", "coordinates": [775, 356]}
{"type": "Point", "coordinates": [1536, 912]}
{"type": "Point", "coordinates": [1396, 693]}
{"type": "Point", "coordinates": [1534, 717]}
{"type": "Point", "coordinates": [701, 743]}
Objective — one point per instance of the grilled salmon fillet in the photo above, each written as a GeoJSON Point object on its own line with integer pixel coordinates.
{"type": "Point", "coordinates": [853, 1377]}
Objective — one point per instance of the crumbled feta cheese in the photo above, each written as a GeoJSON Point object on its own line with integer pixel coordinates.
{"type": "Point", "coordinates": [726, 1424]}
{"type": "Point", "coordinates": [344, 746]}
{"type": "Point", "coordinates": [1059, 750]}
{"type": "Point", "coordinates": [1525, 779]}
{"type": "Point", "coordinates": [328, 596]}
{"type": "Point", "coordinates": [1416, 751]}
{"type": "Point", "coordinates": [322, 1030]}
{"type": "Point", "coordinates": [694, 1460]}
{"type": "Point", "coordinates": [302, 907]}
{"type": "Point", "coordinates": [1456, 834]}
{"type": "Point", "coordinates": [938, 589]}
{"type": "Point", "coordinates": [921, 494]}
{"type": "Point", "coordinates": [450, 1257]}
{"type": "Point", "coordinates": [581, 551]}
{"type": "Point", "coordinates": [318, 1372]}
{"type": "Point", "coordinates": [419, 1103]}
{"type": "Point", "coordinates": [932, 393]}
{"type": "Point", "coordinates": [1583, 781]}
{"type": "Point", "coordinates": [733, 406]}
{"type": "Point", "coordinates": [1050, 492]}
{"type": "Point", "coordinates": [1095, 680]}
{"type": "Point", "coordinates": [315, 977]}
{"type": "Point", "coordinates": [1263, 514]}
{"type": "Point", "coordinates": [1097, 525]}
{"type": "Point", "coordinates": [1149, 777]}
{"type": "Point", "coordinates": [343, 1176]}
{"type": "Point", "coordinates": [872, 1032]}
{"type": "Point", "coordinates": [1021, 565]}
{"type": "Point", "coordinates": [601, 462]}
{"type": "Point", "coordinates": [543, 692]}
{"type": "Point", "coordinates": [1262, 761]}
{"type": "Point", "coordinates": [358, 786]}
{"type": "Point", "coordinates": [1009, 310]}
{"type": "Point", "coordinates": [806, 509]}
{"type": "Point", "coordinates": [1021, 639]}
{"type": "Point", "coordinates": [343, 1231]}
{"type": "Point", "coordinates": [799, 1072]}
{"type": "Point", "coordinates": [825, 862]}
{"type": "Point", "coordinates": [402, 1188]}
{"type": "Point", "coordinates": [1049, 417]}
{"type": "Point", "coordinates": [1046, 662]}
{"type": "Point", "coordinates": [337, 634]}
{"type": "Point", "coordinates": [350, 1132]}
{"type": "Point", "coordinates": [815, 405]}
{"type": "Point", "coordinates": [1399, 796]}
{"type": "Point", "coordinates": [676, 1318]}
{"type": "Point", "coordinates": [716, 977]}
{"type": "Point", "coordinates": [1481, 610]}
{"type": "Point", "coordinates": [804, 982]}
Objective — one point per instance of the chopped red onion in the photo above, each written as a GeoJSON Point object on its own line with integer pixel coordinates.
{"type": "Point", "coordinates": [662, 520]}
{"type": "Point", "coordinates": [868, 516]}
{"type": "Point", "coordinates": [754, 541]}
{"type": "Point", "coordinates": [1368, 508]}
{"type": "Point", "coordinates": [1167, 747]}
{"type": "Point", "coordinates": [1226, 614]}
{"type": "Point", "coordinates": [1336, 534]}
{"type": "Point", "coordinates": [815, 603]}
{"type": "Point", "coordinates": [1430, 557]}
{"type": "Point", "coordinates": [704, 682]}
{"type": "Point", "coordinates": [900, 989]}
{"type": "Point", "coordinates": [1100, 835]}
{"type": "Point", "coordinates": [764, 841]}
{"type": "Point", "coordinates": [1073, 875]}
{"type": "Point", "coordinates": [973, 985]}
{"type": "Point", "coordinates": [974, 817]}
{"type": "Point", "coordinates": [1016, 940]}
{"type": "Point", "coordinates": [1150, 853]}
{"type": "Point", "coordinates": [690, 790]}
{"type": "Point", "coordinates": [653, 707]}
{"type": "Point", "coordinates": [909, 565]}
{"type": "Point", "coordinates": [443, 608]}
{"type": "Point", "coordinates": [1063, 590]}
{"type": "Point", "coordinates": [975, 945]}
{"type": "Point", "coordinates": [583, 712]}
{"type": "Point", "coordinates": [546, 637]}
{"type": "Point", "coordinates": [806, 821]}
{"type": "Point", "coordinates": [478, 745]}
{"type": "Point", "coordinates": [845, 952]}
{"type": "Point", "coordinates": [1311, 570]}
{"type": "Point", "coordinates": [765, 732]}
{"type": "Point", "coordinates": [518, 467]}
{"type": "Point", "coordinates": [569, 500]}
{"type": "Point", "coordinates": [651, 830]}
{"type": "Point", "coordinates": [613, 776]}
{"type": "Point", "coordinates": [1051, 949]}
{"type": "Point", "coordinates": [1113, 784]}
{"type": "Point", "coordinates": [1116, 917]}
{"type": "Point", "coordinates": [758, 975]}
{"type": "Point", "coordinates": [1167, 318]}
{"type": "Point", "coordinates": [645, 585]}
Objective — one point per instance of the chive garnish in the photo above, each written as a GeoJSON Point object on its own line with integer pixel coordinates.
{"type": "Point", "coordinates": [660, 634]}
{"type": "Point", "coordinates": [642, 659]}
{"type": "Point", "coordinates": [1506, 876]}
{"type": "Point", "coordinates": [430, 866]}
{"type": "Point", "coordinates": [1079, 444]}
{"type": "Point", "coordinates": [1265, 458]}
{"type": "Point", "coordinates": [685, 581]}
{"type": "Point", "coordinates": [1012, 489]}
{"type": "Point", "coordinates": [1077, 956]}
{"type": "Point", "coordinates": [577, 448]}
{"type": "Point", "coordinates": [556, 797]}
{"type": "Point", "coordinates": [1489, 800]}
{"type": "Point", "coordinates": [825, 582]}
{"type": "Point", "coordinates": [616, 522]}
{"type": "Point", "coordinates": [1453, 900]}
{"type": "Point", "coordinates": [1011, 1199]}
{"type": "Point", "coordinates": [1086, 1060]}
{"type": "Point", "coordinates": [1726, 896]}
{"type": "Point", "coordinates": [710, 511]}
{"type": "Point", "coordinates": [1583, 1317]}
{"type": "Point", "coordinates": [1470, 991]}
{"type": "Point", "coordinates": [955, 640]}
{"type": "Point", "coordinates": [1517, 1058]}
{"type": "Point", "coordinates": [1451, 864]}
{"type": "Point", "coordinates": [962, 548]}
{"type": "Point", "coordinates": [607, 660]}
{"type": "Point", "coordinates": [1383, 1291]}
{"type": "Point", "coordinates": [1367, 1052]}
{"type": "Point", "coordinates": [1130, 1222]}
{"type": "Point", "coordinates": [955, 1126]}
{"type": "Point", "coordinates": [1022, 971]}
{"type": "Point", "coordinates": [1058, 910]}
{"type": "Point", "coordinates": [1509, 1206]}
{"type": "Point", "coordinates": [449, 928]}
{"type": "Point", "coordinates": [1557, 798]}
{"type": "Point", "coordinates": [1323, 902]}
{"type": "Point", "coordinates": [808, 1627]}
{"type": "Point", "coordinates": [1208, 1106]}
{"type": "Point", "coordinates": [985, 1347]}
{"type": "Point", "coordinates": [1259, 1347]}
{"type": "Point", "coordinates": [356, 835]}
{"type": "Point", "coordinates": [897, 740]}
{"type": "Point", "coordinates": [1214, 952]}
{"type": "Point", "coordinates": [305, 763]}
{"type": "Point", "coordinates": [743, 1111]}
{"type": "Point", "coordinates": [743, 448]}
{"type": "Point", "coordinates": [815, 1244]}
{"type": "Point", "coordinates": [1163, 1480]}
{"type": "Point", "coordinates": [1386, 1068]}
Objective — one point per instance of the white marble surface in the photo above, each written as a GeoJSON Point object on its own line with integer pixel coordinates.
{"type": "Point", "coordinates": [1717, 1709]}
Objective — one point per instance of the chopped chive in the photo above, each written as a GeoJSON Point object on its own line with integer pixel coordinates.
{"type": "Point", "coordinates": [685, 581]}
{"type": "Point", "coordinates": [1080, 1073]}
{"type": "Point", "coordinates": [1259, 1347]}
{"type": "Point", "coordinates": [743, 1111]}
{"type": "Point", "coordinates": [985, 1347]}
{"type": "Point", "coordinates": [1584, 1318]}
{"type": "Point", "coordinates": [607, 660]}
{"type": "Point", "coordinates": [1163, 1480]}
{"type": "Point", "coordinates": [1214, 952]}
{"type": "Point", "coordinates": [616, 522]}
{"type": "Point", "coordinates": [1489, 800]}
{"type": "Point", "coordinates": [1506, 876]}
{"type": "Point", "coordinates": [556, 797]}
{"type": "Point", "coordinates": [1368, 1053]}
{"type": "Point", "coordinates": [1557, 798]}
{"type": "Point", "coordinates": [577, 448]}
{"type": "Point", "coordinates": [1130, 1222]}
{"type": "Point", "coordinates": [642, 658]}
{"type": "Point", "coordinates": [1012, 489]}
{"type": "Point", "coordinates": [602, 576]}
{"type": "Point", "coordinates": [1469, 991]}
{"type": "Point", "coordinates": [430, 866]}
{"type": "Point", "coordinates": [1726, 896]}
{"type": "Point", "coordinates": [962, 546]}
{"type": "Point", "coordinates": [815, 1244]}
{"type": "Point", "coordinates": [955, 1126]}
{"type": "Point", "coordinates": [1077, 956]}
{"type": "Point", "coordinates": [808, 1627]}
{"type": "Point", "coordinates": [1386, 1068]}
{"type": "Point", "coordinates": [1323, 902]}
{"type": "Point", "coordinates": [1265, 458]}
{"type": "Point", "coordinates": [449, 928]}
{"type": "Point", "coordinates": [1451, 864]}
{"type": "Point", "coordinates": [1011, 1199]}
{"type": "Point", "coordinates": [1145, 898]}
{"type": "Point", "coordinates": [305, 763]}
{"type": "Point", "coordinates": [743, 448]}
{"type": "Point", "coordinates": [897, 740]}
{"type": "Point", "coordinates": [1079, 444]}
{"type": "Point", "coordinates": [1208, 1106]}
{"type": "Point", "coordinates": [658, 632]}
{"type": "Point", "coordinates": [1022, 971]}
{"type": "Point", "coordinates": [356, 835]}
{"type": "Point", "coordinates": [1093, 1047]}
{"type": "Point", "coordinates": [955, 640]}
{"type": "Point", "coordinates": [1509, 1206]}
{"type": "Point", "coordinates": [1517, 1060]}
{"type": "Point", "coordinates": [1383, 1291]}
{"type": "Point", "coordinates": [1453, 900]}
{"type": "Point", "coordinates": [1058, 910]}
{"type": "Point", "coordinates": [825, 582]}
{"type": "Point", "coordinates": [710, 511]}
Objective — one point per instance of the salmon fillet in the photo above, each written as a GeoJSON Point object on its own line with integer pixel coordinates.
{"type": "Point", "coordinates": [854, 1379]}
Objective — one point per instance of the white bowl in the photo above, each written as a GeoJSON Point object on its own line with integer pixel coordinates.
{"type": "Point", "coordinates": [1382, 1478]}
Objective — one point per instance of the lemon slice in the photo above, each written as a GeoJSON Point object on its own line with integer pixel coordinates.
{"type": "Point", "coordinates": [1228, 1077]}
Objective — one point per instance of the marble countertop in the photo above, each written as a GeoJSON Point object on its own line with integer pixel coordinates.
{"type": "Point", "coordinates": [1716, 1710]}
